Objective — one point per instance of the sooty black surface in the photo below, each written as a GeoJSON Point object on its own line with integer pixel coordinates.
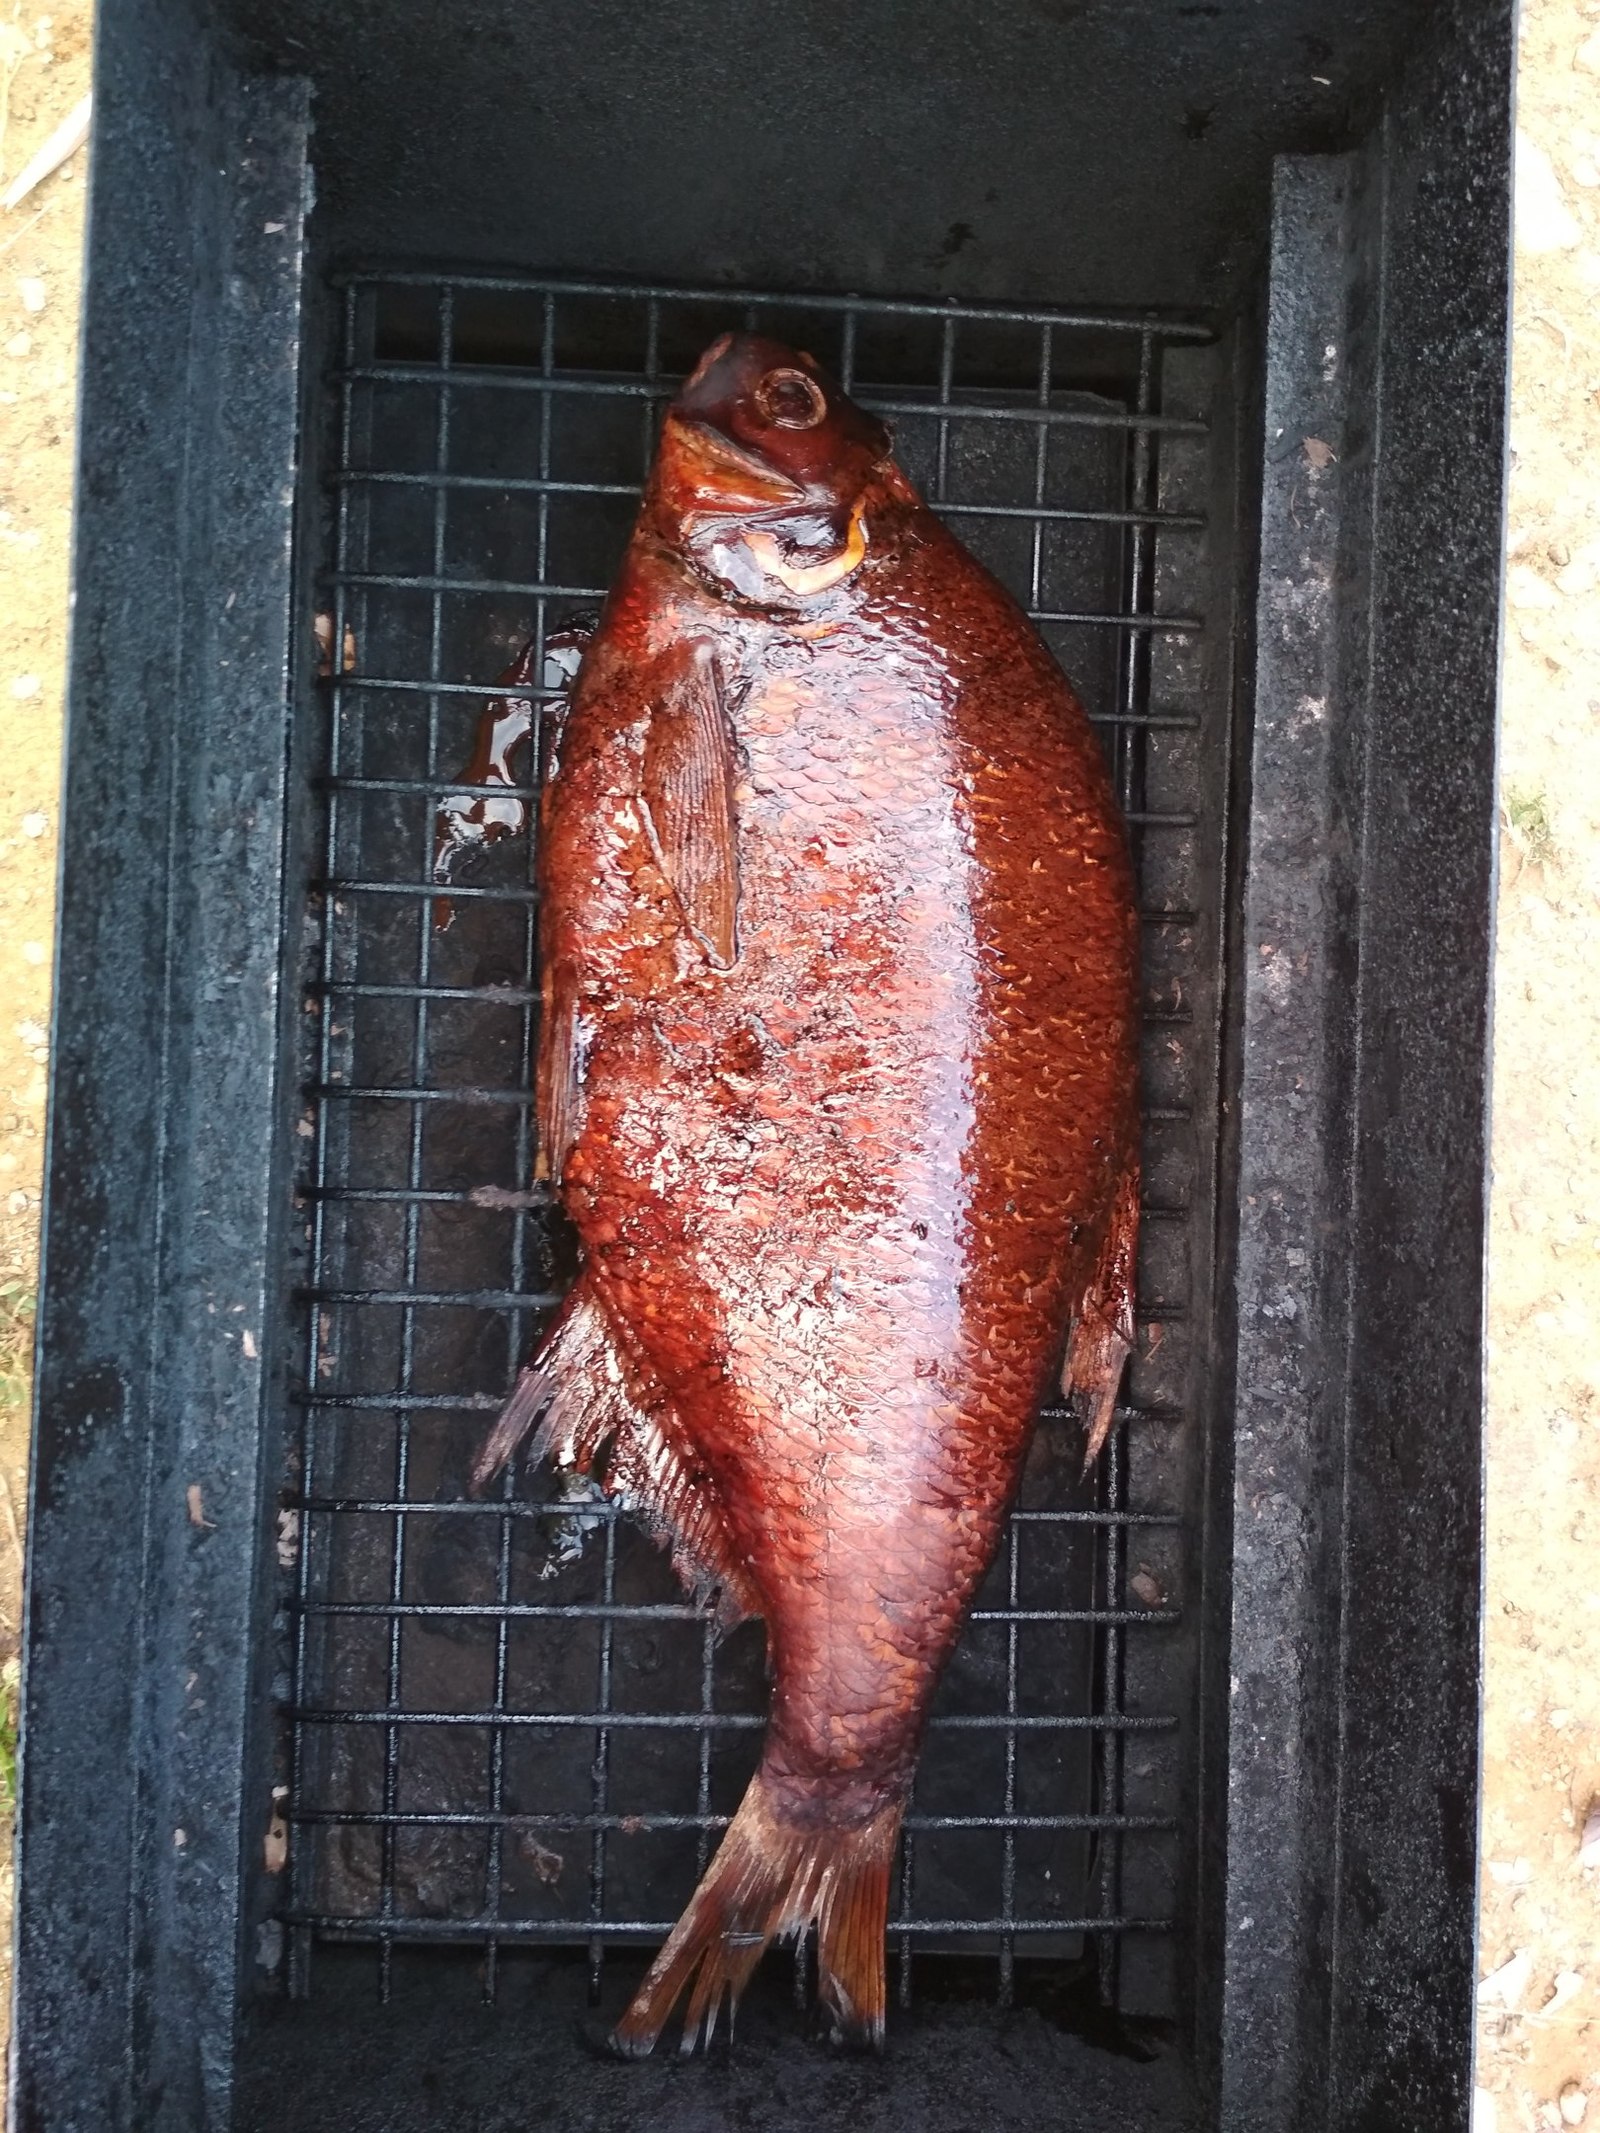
{"type": "Point", "coordinates": [437, 2057]}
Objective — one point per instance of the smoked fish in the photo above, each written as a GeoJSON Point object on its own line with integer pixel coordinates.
{"type": "Point", "coordinates": [838, 1083]}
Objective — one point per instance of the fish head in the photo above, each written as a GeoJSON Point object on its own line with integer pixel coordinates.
{"type": "Point", "coordinates": [762, 470]}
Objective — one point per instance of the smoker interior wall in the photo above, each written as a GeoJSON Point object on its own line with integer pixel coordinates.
{"type": "Point", "coordinates": [142, 1806]}
{"type": "Point", "coordinates": [1094, 151]}
{"type": "Point", "coordinates": [1360, 980]}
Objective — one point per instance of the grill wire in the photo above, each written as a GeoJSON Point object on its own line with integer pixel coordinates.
{"type": "Point", "coordinates": [507, 1726]}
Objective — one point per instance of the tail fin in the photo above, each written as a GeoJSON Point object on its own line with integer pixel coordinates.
{"type": "Point", "coordinates": [769, 1878]}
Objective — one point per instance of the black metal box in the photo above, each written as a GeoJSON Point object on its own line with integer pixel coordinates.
{"type": "Point", "coordinates": [347, 1799]}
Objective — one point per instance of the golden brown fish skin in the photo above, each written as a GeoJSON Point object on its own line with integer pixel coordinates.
{"type": "Point", "coordinates": [842, 1129]}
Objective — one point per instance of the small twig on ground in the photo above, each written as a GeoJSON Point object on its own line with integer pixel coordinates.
{"type": "Point", "coordinates": [1558, 325]}
{"type": "Point", "coordinates": [13, 1530]}
{"type": "Point", "coordinates": [18, 234]}
{"type": "Point", "coordinates": [67, 139]}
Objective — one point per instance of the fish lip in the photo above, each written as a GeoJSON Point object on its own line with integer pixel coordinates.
{"type": "Point", "coordinates": [711, 445]}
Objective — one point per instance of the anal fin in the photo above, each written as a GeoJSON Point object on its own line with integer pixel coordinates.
{"type": "Point", "coordinates": [605, 1416]}
{"type": "Point", "coordinates": [1103, 1333]}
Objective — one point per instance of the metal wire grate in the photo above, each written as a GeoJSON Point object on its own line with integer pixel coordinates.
{"type": "Point", "coordinates": [507, 1724]}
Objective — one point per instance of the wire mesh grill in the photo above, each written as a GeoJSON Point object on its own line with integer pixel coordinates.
{"type": "Point", "coordinates": [507, 1724]}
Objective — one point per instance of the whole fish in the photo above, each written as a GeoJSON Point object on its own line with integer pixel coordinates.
{"type": "Point", "coordinates": [838, 1082]}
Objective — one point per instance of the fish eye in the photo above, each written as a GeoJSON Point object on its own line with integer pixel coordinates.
{"type": "Point", "coordinates": [791, 400]}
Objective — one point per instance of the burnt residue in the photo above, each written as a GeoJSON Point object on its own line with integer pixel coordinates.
{"type": "Point", "coordinates": [954, 2065]}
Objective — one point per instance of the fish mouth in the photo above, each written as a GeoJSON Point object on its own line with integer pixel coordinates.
{"type": "Point", "coordinates": [726, 463]}
{"type": "Point", "coordinates": [731, 483]}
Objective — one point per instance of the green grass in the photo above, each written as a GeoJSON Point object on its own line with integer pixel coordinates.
{"type": "Point", "coordinates": [1528, 812]}
{"type": "Point", "coordinates": [16, 1342]}
{"type": "Point", "coordinates": [10, 1702]}
{"type": "Point", "coordinates": [17, 1302]}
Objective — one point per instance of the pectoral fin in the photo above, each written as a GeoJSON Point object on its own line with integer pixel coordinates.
{"type": "Point", "coordinates": [686, 801]}
{"type": "Point", "coordinates": [559, 1091]}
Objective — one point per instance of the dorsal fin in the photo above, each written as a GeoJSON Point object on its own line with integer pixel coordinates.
{"type": "Point", "coordinates": [687, 800]}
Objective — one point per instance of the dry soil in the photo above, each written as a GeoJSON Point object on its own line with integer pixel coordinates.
{"type": "Point", "coordinates": [44, 71]}
{"type": "Point", "coordinates": [1539, 2023]}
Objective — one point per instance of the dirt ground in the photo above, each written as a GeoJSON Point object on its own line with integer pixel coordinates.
{"type": "Point", "coordinates": [1539, 2060]}
{"type": "Point", "coordinates": [44, 71]}
{"type": "Point", "coordinates": [1539, 2025]}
